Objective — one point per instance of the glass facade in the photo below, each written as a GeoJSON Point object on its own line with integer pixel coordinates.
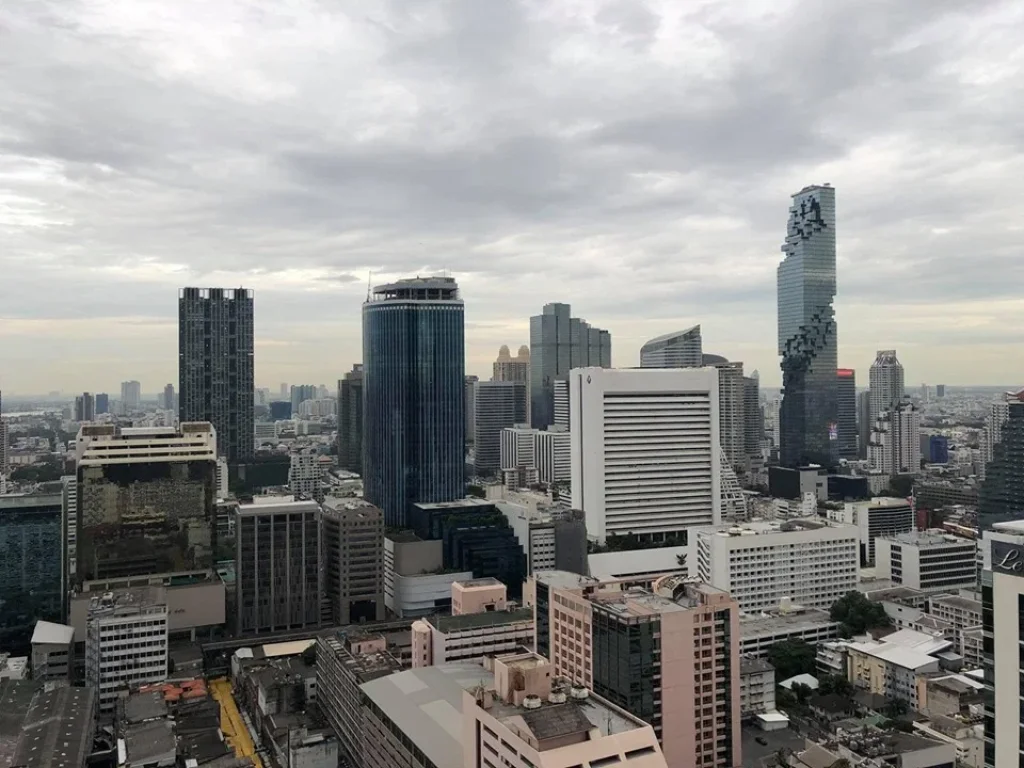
{"type": "Point", "coordinates": [627, 663]}
{"type": "Point", "coordinates": [559, 343]}
{"type": "Point", "coordinates": [846, 413]}
{"type": "Point", "coordinates": [30, 565]}
{"type": "Point", "coordinates": [1001, 495]}
{"type": "Point", "coordinates": [414, 405]}
{"type": "Point", "coordinates": [807, 331]}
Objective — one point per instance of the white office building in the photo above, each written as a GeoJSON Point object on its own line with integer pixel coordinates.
{"type": "Point", "coordinates": [517, 446]}
{"type": "Point", "coordinates": [763, 565]}
{"type": "Point", "coordinates": [931, 561]}
{"type": "Point", "coordinates": [881, 516]}
{"type": "Point", "coordinates": [999, 412]}
{"type": "Point", "coordinates": [645, 449]}
{"type": "Point", "coordinates": [69, 503]}
{"type": "Point", "coordinates": [126, 642]}
{"type": "Point", "coordinates": [553, 454]}
{"type": "Point", "coordinates": [561, 400]}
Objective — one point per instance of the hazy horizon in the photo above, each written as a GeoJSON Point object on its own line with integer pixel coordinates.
{"type": "Point", "coordinates": [633, 159]}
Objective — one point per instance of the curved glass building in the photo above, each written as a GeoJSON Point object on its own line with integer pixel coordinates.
{"type": "Point", "coordinates": [680, 349]}
{"type": "Point", "coordinates": [808, 415]}
{"type": "Point", "coordinates": [414, 405]}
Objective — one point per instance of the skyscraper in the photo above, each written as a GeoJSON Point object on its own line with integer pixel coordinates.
{"type": "Point", "coordinates": [885, 380]}
{"type": "Point", "coordinates": [350, 420]}
{"type": "Point", "coordinates": [131, 395]}
{"type": "Point", "coordinates": [85, 407]}
{"type": "Point", "coordinates": [414, 422]}
{"type": "Point", "coordinates": [864, 424]}
{"type": "Point", "coordinates": [470, 388]}
{"type": "Point", "coordinates": [168, 398]}
{"type": "Point", "coordinates": [846, 407]}
{"type": "Point", "coordinates": [102, 403]}
{"type": "Point", "coordinates": [645, 450]}
{"type": "Point", "coordinates": [753, 419]}
{"type": "Point", "coordinates": [1001, 495]}
{"type": "Point", "coordinates": [894, 447]}
{"type": "Point", "coordinates": [3, 439]}
{"type": "Point", "coordinates": [508, 368]}
{"type": "Point", "coordinates": [499, 404]}
{"type": "Point", "coordinates": [215, 365]}
{"type": "Point", "coordinates": [559, 343]}
{"type": "Point", "coordinates": [300, 393]}
{"type": "Point", "coordinates": [681, 349]}
{"type": "Point", "coordinates": [807, 329]}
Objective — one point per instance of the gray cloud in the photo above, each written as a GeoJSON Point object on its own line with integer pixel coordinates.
{"type": "Point", "coordinates": [633, 158]}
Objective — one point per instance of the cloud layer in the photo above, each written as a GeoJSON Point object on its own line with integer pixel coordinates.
{"type": "Point", "coordinates": [632, 158]}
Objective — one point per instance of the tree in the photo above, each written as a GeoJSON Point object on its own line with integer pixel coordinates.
{"type": "Point", "coordinates": [802, 693]}
{"type": "Point", "coordinates": [791, 658]}
{"type": "Point", "coordinates": [476, 491]}
{"type": "Point", "coordinates": [901, 486]}
{"type": "Point", "coordinates": [834, 684]}
{"type": "Point", "coordinates": [856, 614]}
{"type": "Point", "coordinates": [895, 708]}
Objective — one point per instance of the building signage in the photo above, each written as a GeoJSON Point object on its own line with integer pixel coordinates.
{"type": "Point", "coordinates": [1007, 558]}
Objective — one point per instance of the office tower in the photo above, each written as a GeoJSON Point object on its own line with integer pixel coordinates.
{"type": "Point", "coordinates": [496, 627]}
{"type": "Point", "coordinates": [894, 447]}
{"type": "Point", "coordinates": [53, 651]}
{"type": "Point", "coordinates": [4, 440]}
{"type": "Point", "coordinates": [281, 410]}
{"type": "Point", "coordinates": [414, 422]}
{"type": "Point", "coordinates": [470, 385]}
{"type": "Point", "coordinates": [278, 580]}
{"type": "Point", "coordinates": [353, 561]}
{"type": "Point", "coordinates": [475, 537]}
{"type": "Point", "coordinates": [283, 391]}
{"type": "Point", "coordinates": [30, 564]}
{"type": "Point", "coordinates": [812, 561]}
{"type": "Point", "coordinates": [499, 404]}
{"type": "Point", "coordinates": [929, 560]}
{"type": "Point", "coordinates": [167, 402]}
{"type": "Point", "coordinates": [864, 423]}
{"type": "Point", "coordinates": [807, 329]}
{"type": "Point", "coordinates": [553, 451]}
{"type": "Point", "coordinates": [508, 368]}
{"type": "Point", "coordinates": [881, 516]}
{"type": "Point", "coordinates": [559, 343]}
{"type": "Point", "coordinates": [215, 365]}
{"type": "Point", "coordinates": [350, 420]}
{"type": "Point", "coordinates": [999, 412]}
{"type": "Point", "coordinates": [517, 447]}
{"type": "Point", "coordinates": [102, 403]}
{"type": "Point", "coordinates": [146, 499]}
{"type": "Point", "coordinates": [1002, 598]}
{"type": "Point", "coordinates": [85, 407]}
{"type": "Point", "coordinates": [732, 431]}
{"type": "Point", "coordinates": [885, 380]}
{"type": "Point", "coordinates": [668, 655]}
{"type": "Point", "coordinates": [301, 393]}
{"type": "Point", "coordinates": [561, 390]}
{"type": "Point", "coordinates": [753, 419]}
{"type": "Point", "coordinates": [682, 349]}
{"type": "Point", "coordinates": [846, 407]}
{"type": "Point", "coordinates": [925, 393]}
{"type": "Point", "coordinates": [69, 531]}
{"type": "Point", "coordinates": [940, 390]}
{"type": "Point", "coordinates": [645, 449]}
{"type": "Point", "coordinates": [1001, 495]}
{"type": "Point", "coordinates": [131, 395]}
{"type": "Point", "coordinates": [126, 642]}
{"type": "Point", "coordinates": [306, 469]}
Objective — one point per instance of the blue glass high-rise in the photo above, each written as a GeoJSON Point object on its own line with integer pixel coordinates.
{"type": "Point", "coordinates": [414, 406]}
{"type": "Point", "coordinates": [807, 331]}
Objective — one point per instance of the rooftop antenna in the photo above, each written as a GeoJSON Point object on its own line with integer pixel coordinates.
{"type": "Point", "coordinates": [369, 280]}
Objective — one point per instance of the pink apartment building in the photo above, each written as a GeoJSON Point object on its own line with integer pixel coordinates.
{"type": "Point", "coordinates": [668, 654]}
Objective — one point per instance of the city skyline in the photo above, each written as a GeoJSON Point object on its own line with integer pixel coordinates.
{"type": "Point", "coordinates": [642, 175]}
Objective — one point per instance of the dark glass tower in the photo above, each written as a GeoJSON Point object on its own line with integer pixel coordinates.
{"type": "Point", "coordinates": [559, 343]}
{"type": "Point", "coordinates": [807, 330]}
{"type": "Point", "coordinates": [414, 405]}
{"type": "Point", "coordinates": [1001, 495]}
{"type": "Point", "coordinates": [350, 420]}
{"type": "Point", "coordinates": [846, 408]}
{"type": "Point", "coordinates": [215, 365]}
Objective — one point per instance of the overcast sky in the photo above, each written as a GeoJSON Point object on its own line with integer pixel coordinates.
{"type": "Point", "coordinates": [631, 157]}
